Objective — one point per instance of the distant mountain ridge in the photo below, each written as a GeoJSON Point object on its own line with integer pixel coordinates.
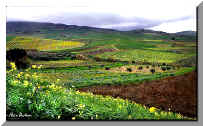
{"type": "Point", "coordinates": [188, 33]}
{"type": "Point", "coordinates": [20, 26]}
{"type": "Point", "coordinates": [32, 27]}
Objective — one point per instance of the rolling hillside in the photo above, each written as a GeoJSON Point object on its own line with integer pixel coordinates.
{"type": "Point", "coordinates": [63, 60]}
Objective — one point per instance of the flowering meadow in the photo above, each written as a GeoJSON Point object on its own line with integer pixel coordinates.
{"type": "Point", "coordinates": [29, 94]}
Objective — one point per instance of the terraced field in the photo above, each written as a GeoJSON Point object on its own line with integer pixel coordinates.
{"type": "Point", "coordinates": [41, 44]}
{"type": "Point", "coordinates": [139, 55]}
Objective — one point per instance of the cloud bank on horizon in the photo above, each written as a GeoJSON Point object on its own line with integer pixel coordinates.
{"type": "Point", "coordinates": [168, 16]}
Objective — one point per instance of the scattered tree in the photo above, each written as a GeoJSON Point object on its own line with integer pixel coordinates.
{"type": "Point", "coordinates": [19, 56]}
{"type": "Point", "coordinates": [129, 69]}
{"type": "Point", "coordinates": [133, 62]}
{"type": "Point", "coordinates": [163, 68]}
{"type": "Point", "coordinates": [173, 38]}
{"type": "Point", "coordinates": [164, 64]}
{"type": "Point", "coordinates": [168, 68]}
{"type": "Point", "coordinates": [140, 68]}
{"type": "Point", "coordinates": [152, 71]}
{"type": "Point", "coordinates": [107, 68]}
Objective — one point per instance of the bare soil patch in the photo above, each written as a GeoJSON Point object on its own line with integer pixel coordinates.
{"type": "Point", "coordinates": [135, 69]}
{"type": "Point", "coordinates": [177, 94]}
{"type": "Point", "coordinates": [99, 51]}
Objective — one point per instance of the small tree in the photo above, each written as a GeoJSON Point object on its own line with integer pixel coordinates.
{"type": "Point", "coordinates": [129, 69]}
{"type": "Point", "coordinates": [107, 68]}
{"type": "Point", "coordinates": [163, 68]}
{"type": "Point", "coordinates": [140, 68]}
{"type": "Point", "coordinates": [133, 62]}
{"type": "Point", "coordinates": [168, 68]}
{"type": "Point", "coordinates": [19, 56]}
{"type": "Point", "coordinates": [173, 38]}
{"type": "Point", "coordinates": [164, 64]}
{"type": "Point", "coordinates": [152, 71]}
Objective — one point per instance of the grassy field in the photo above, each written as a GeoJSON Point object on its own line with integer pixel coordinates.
{"type": "Point", "coordinates": [48, 88]}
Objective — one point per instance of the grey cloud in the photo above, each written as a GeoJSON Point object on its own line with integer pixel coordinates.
{"type": "Point", "coordinates": [179, 19]}
{"type": "Point", "coordinates": [102, 20]}
{"type": "Point", "coordinates": [106, 20]}
{"type": "Point", "coordinates": [87, 19]}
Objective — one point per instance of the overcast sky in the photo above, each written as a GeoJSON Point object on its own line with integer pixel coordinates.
{"type": "Point", "coordinates": [163, 15]}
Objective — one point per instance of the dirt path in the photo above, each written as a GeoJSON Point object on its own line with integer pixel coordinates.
{"type": "Point", "coordinates": [177, 94]}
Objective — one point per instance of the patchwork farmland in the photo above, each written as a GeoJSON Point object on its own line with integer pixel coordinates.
{"type": "Point", "coordinates": [84, 73]}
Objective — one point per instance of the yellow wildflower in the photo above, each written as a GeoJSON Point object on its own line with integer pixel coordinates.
{"type": "Point", "coordinates": [81, 106]}
{"type": "Point", "coordinates": [13, 66]}
{"type": "Point", "coordinates": [163, 113]}
{"type": "Point", "coordinates": [170, 113]}
{"type": "Point", "coordinates": [129, 117]}
{"type": "Point", "coordinates": [73, 118]}
{"type": "Point", "coordinates": [77, 92]}
{"type": "Point", "coordinates": [96, 116]}
{"type": "Point", "coordinates": [152, 109]}
{"type": "Point", "coordinates": [59, 117]}
{"type": "Point", "coordinates": [120, 106]}
{"type": "Point", "coordinates": [29, 94]}
{"type": "Point", "coordinates": [25, 83]}
{"type": "Point", "coordinates": [179, 116]}
{"type": "Point", "coordinates": [47, 92]}
{"type": "Point", "coordinates": [34, 66]}
{"type": "Point", "coordinates": [51, 86]}
{"type": "Point", "coordinates": [27, 69]}
{"type": "Point", "coordinates": [38, 86]}
{"type": "Point", "coordinates": [39, 67]}
{"type": "Point", "coordinates": [14, 83]}
{"type": "Point", "coordinates": [18, 76]}
{"type": "Point", "coordinates": [156, 114]}
{"type": "Point", "coordinates": [43, 86]}
{"type": "Point", "coordinates": [35, 76]}
{"type": "Point", "coordinates": [27, 75]}
{"type": "Point", "coordinates": [59, 87]}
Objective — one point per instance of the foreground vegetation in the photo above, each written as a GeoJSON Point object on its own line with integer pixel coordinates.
{"type": "Point", "coordinates": [45, 100]}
